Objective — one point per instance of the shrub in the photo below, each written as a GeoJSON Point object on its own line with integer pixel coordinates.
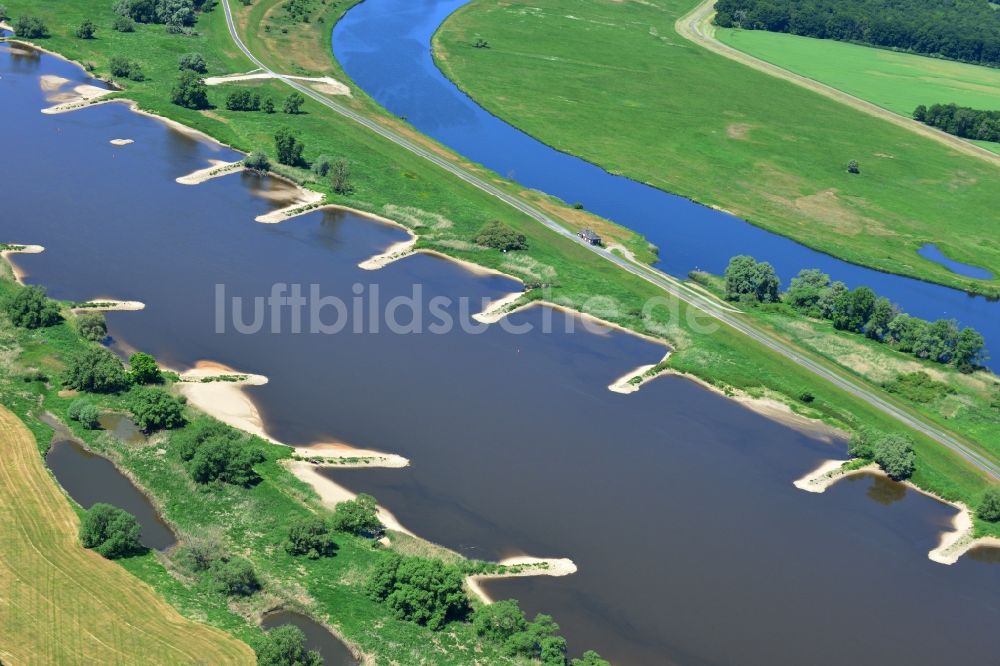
{"type": "Point", "coordinates": [31, 308]}
{"type": "Point", "coordinates": [155, 409]}
{"type": "Point", "coordinates": [989, 506]}
{"type": "Point", "coordinates": [862, 444]}
{"type": "Point", "coordinates": [96, 370]}
{"type": "Point", "coordinates": [92, 326]}
{"type": "Point", "coordinates": [31, 27]}
{"type": "Point", "coordinates": [321, 167]}
{"type": "Point", "coordinates": [288, 147]}
{"type": "Point", "coordinates": [243, 100]}
{"type": "Point", "coordinates": [268, 105]}
{"type": "Point", "coordinates": [201, 553]}
{"type": "Point", "coordinates": [86, 413]}
{"type": "Point", "coordinates": [123, 24]}
{"type": "Point", "coordinates": [143, 369]}
{"type": "Point", "coordinates": [190, 91]}
{"type": "Point", "coordinates": [499, 621]}
{"type": "Point", "coordinates": [293, 103]}
{"type": "Point", "coordinates": [428, 592]}
{"type": "Point", "coordinates": [234, 578]}
{"type": "Point", "coordinates": [918, 387]}
{"type": "Point", "coordinates": [110, 531]}
{"type": "Point", "coordinates": [257, 161]}
{"type": "Point", "coordinates": [894, 454]}
{"type": "Point", "coordinates": [86, 30]}
{"type": "Point", "coordinates": [310, 537]}
{"type": "Point", "coordinates": [340, 178]}
{"type": "Point", "coordinates": [499, 236]}
{"type": "Point", "coordinates": [193, 61]}
{"type": "Point", "coordinates": [285, 646]}
{"type": "Point", "coordinates": [853, 167]}
{"type": "Point", "coordinates": [357, 516]}
{"type": "Point", "coordinates": [122, 67]}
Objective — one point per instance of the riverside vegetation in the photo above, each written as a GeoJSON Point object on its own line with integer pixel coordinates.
{"type": "Point", "coordinates": [447, 214]}
{"type": "Point", "coordinates": [251, 535]}
{"type": "Point", "coordinates": [734, 144]}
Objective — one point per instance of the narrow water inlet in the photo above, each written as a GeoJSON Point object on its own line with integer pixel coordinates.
{"type": "Point", "coordinates": [932, 252]}
{"type": "Point", "coordinates": [318, 637]}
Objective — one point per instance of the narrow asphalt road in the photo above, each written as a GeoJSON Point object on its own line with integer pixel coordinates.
{"type": "Point", "coordinates": [669, 284]}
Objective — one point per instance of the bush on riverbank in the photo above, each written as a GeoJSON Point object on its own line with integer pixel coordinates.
{"type": "Point", "coordinates": [31, 308]}
{"type": "Point", "coordinates": [96, 370]}
{"type": "Point", "coordinates": [989, 507]}
{"type": "Point", "coordinates": [92, 326]}
{"type": "Point", "coordinates": [893, 453]}
{"type": "Point", "coordinates": [257, 162]}
{"type": "Point", "coordinates": [30, 27]}
{"type": "Point", "coordinates": [143, 369]}
{"type": "Point", "coordinates": [83, 411]}
{"type": "Point", "coordinates": [285, 646]}
{"type": "Point", "coordinates": [497, 235]}
{"type": "Point", "coordinates": [110, 531]}
{"type": "Point", "coordinates": [213, 452]}
{"type": "Point", "coordinates": [155, 409]}
{"type": "Point", "coordinates": [310, 536]}
{"type": "Point", "coordinates": [358, 516]}
{"type": "Point", "coordinates": [428, 592]}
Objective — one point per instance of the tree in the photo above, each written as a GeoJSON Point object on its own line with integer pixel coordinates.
{"type": "Point", "coordinates": [31, 308]}
{"type": "Point", "coordinates": [193, 61]}
{"type": "Point", "coordinates": [124, 24]}
{"type": "Point", "coordinates": [30, 27]}
{"type": "Point", "coordinates": [110, 531]}
{"type": "Point", "coordinates": [428, 592]}
{"type": "Point", "coordinates": [321, 167]}
{"type": "Point", "coordinates": [257, 162]}
{"type": "Point", "coordinates": [234, 578]}
{"type": "Point", "coordinates": [122, 67]}
{"type": "Point", "coordinates": [288, 147]}
{"type": "Point", "coordinates": [340, 180]}
{"type": "Point", "coordinates": [311, 537]}
{"type": "Point", "coordinates": [499, 621]}
{"type": "Point", "coordinates": [877, 326]}
{"type": "Point", "coordinates": [894, 454]}
{"type": "Point", "coordinates": [190, 91]}
{"type": "Point", "coordinates": [143, 369]}
{"type": "Point", "coordinates": [243, 100]}
{"type": "Point", "coordinates": [96, 370]}
{"type": "Point", "coordinates": [155, 409]}
{"type": "Point", "coordinates": [828, 299]}
{"type": "Point", "coordinates": [92, 326]}
{"type": "Point", "coordinates": [589, 658]}
{"type": "Point", "coordinates": [499, 236]}
{"type": "Point", "coordinates": [806, 289]}
{"type": "Point", "coordinates": [357, 516]}
{"type": "Point", "coordinates": [86, 30]}
{"type": "Point", "coordinates": [862, 444]}
{"type": "Point", "coordinates": [969, 353]}
{"type": "Point", "coordinates": [268, 105]}
{"type": "Point", "coordinates": [904, 332]}
{"type": "Point", "coordinates": [293, 103]}
{"type": "Point", "coordinates": [223, 457]}
{"type": "Point", "coordinates": [141, 11]}
{"type": "Point", "coordinates": [528, 643]}
{"type": "Point", "coordinates": [285, 646]}
{"type": "Point", "coordinates": [853, 309]}
{"type": "Point", "coordinates": [747, 278]}
{"type": "Point", "coordinates": [989, 506]}
{"type": "Point", "coordinates": [853, 167]}
{"type": "Point", "coordinates": [83, 411]}
{"type": "Point", "coordinates": [552, 651]}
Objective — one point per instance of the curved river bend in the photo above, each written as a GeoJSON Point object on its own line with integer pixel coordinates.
{"type": "Point", "coordinates": [677, 505]}
{"type": "Point", "coordinates": [384, 46]}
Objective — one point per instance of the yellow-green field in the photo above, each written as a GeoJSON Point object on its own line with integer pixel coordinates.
{"type": "Point", "coordinates": [895, 81]}
{"type": "Point", "coordinates": [62, 604]}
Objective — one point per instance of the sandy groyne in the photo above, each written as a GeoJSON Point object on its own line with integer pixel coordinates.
{"type": "Point", "coordinates": [216, 169]}
{"type": "Point", "coordinates": [516, 567]}
{"type": "Point", "coordinates": [394, 252]}
{"type": "Point", "coordinates": [306, 201]}
{"type": "Point", "coordinates": [15, 248]}
{"type": "Point", "coordinates": [498, 309]}
{"type": "Point", "coordinates": [109, 305]}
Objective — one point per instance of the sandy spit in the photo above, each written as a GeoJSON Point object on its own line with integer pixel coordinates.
{"type": "Point", "coordinates": [625, 383]}
{"type": "Point", "coordinates": [112, 305]}
{"type": "Point", "coordinates": [6, 26]}
{"type": "Point", "coordinates": [497, 309]}
{"type": "Point", "coordinates": [216, 169]}
{"type": "Point", "coordinates": [951, 544]}
{"type": "Point", "coordinates": [307, 201]}
{"type": "Point", "coordinates": [323, 84]}
{"type": "Point", "coordinates": [394, 252]}
{"type": "Point", "coordinates": [82, 95]}
{"type": "Point", "coordinates": [535, 566]}
{"type": "Point", "coordinates": [24, 249]}
{"type": "Point", "coordinates": [121, 142]}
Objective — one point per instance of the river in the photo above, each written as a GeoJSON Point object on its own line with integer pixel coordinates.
{"type": "Point", "coordinates": [384, 46]}
{"type": "Point", "coordinates": [676, 504]}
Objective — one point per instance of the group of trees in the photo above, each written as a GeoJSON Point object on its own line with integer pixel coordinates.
{"type": "Point", "coordinates": [122, 67]}
{"type": "Point", "coordinates": [892, 452]}
{"type": "Point", "coordinates": [358, 516]}
{"type": "Point", "coordinates": [110, 531]}
{"type": "Point", "coordinates": [85, 412]}
{"type": "Point", "coordinates": [288, 147]}
{"type": "Point", "coordinates": [311, 536]}
{"type": "Point", "coordinates": [504, 623]}
{"type": "Point", "coordinates": [30, 27]}
{"type": "Point", "coordinates": [193, 61]}
{"type": "Point", "coordinates": [97, 370]}
{"type": "Point", "coordinates": [967, 30]}
{"type": "Point", "coordinates": [169, 12]}
{"type": "Point", "coordinates": [428, 592]}
{"type": "Point", "coordinates": [153, 409]}
{"type": "Point", "coordinates": [190, 91]}
{"type": "Point", "coordinates": [962, 121]}
{"type": "Point", "coordinates": [285, 646]}
{"type": "Point", "coordinates": [243, 100]}
{"type": "Point", "coordinates": [214, 452]}
{"type": "Point", "coordinates": [31, 308]}
{"type": "Point", "coordinates": [497, 235]}
{"type": "Point", "coordinates": [206, 558]}
{"type": "Point", "coordinates": [857, 310]}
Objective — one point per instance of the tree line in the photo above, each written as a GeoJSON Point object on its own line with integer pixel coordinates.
{"type": "Point", "coordinates": [857, 310]}
{"type": "Point", "coordinates": [962, 121]}
{"type": "Point", "coordinates": [966, 30]}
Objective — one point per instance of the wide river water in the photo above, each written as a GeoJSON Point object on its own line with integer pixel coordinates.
{"type": "Point", "coordinates": [384, 46]}
{"type": "Point", "coordinates": [677, 505]}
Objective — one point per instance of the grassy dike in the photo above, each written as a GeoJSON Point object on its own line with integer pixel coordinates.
{"type": "Point", "coordinates": [251, 522]}
{"type": "Point", "coordinates": [697, 124]}
{"type": "Point", "coordinates": [446, 213]}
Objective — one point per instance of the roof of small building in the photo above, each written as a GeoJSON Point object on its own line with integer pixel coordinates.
{"type": "Point", "coordinates": [589, 233]}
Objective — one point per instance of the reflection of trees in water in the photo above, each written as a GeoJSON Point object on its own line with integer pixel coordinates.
{"type": "Point", "coordinates": [885, 491]}
{"type": "Point", "coordinates": [988, 554]}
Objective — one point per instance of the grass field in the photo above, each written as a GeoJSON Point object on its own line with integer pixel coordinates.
{"type": "Point", "coordinates": [62, 604]}
{"type": "Point", "coordinates": [893, 80]}
{"type": "Point", "coordinates": [447, 213]}
{"type": "Point", "coordinates": [614, 83]}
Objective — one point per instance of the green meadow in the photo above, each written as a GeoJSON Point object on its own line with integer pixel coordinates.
{"type": "Point", "coordinates": [893, 80]}
{"type": "Point", "coordinates": [614, 83]}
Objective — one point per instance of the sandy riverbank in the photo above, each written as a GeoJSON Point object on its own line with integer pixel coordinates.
{"type": "Point", "coordinates": [65, 100]}
{"type": "Point", "coordinates": [951, 544]}
{"type": "Point", "coordinates": [323, 84]}
{"type": "Point", "coordinates": [216, 169]}
{"type": "Point", "coordinates": [532, 566]}
{"type": "Point", "coordinates": [19, 249]}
